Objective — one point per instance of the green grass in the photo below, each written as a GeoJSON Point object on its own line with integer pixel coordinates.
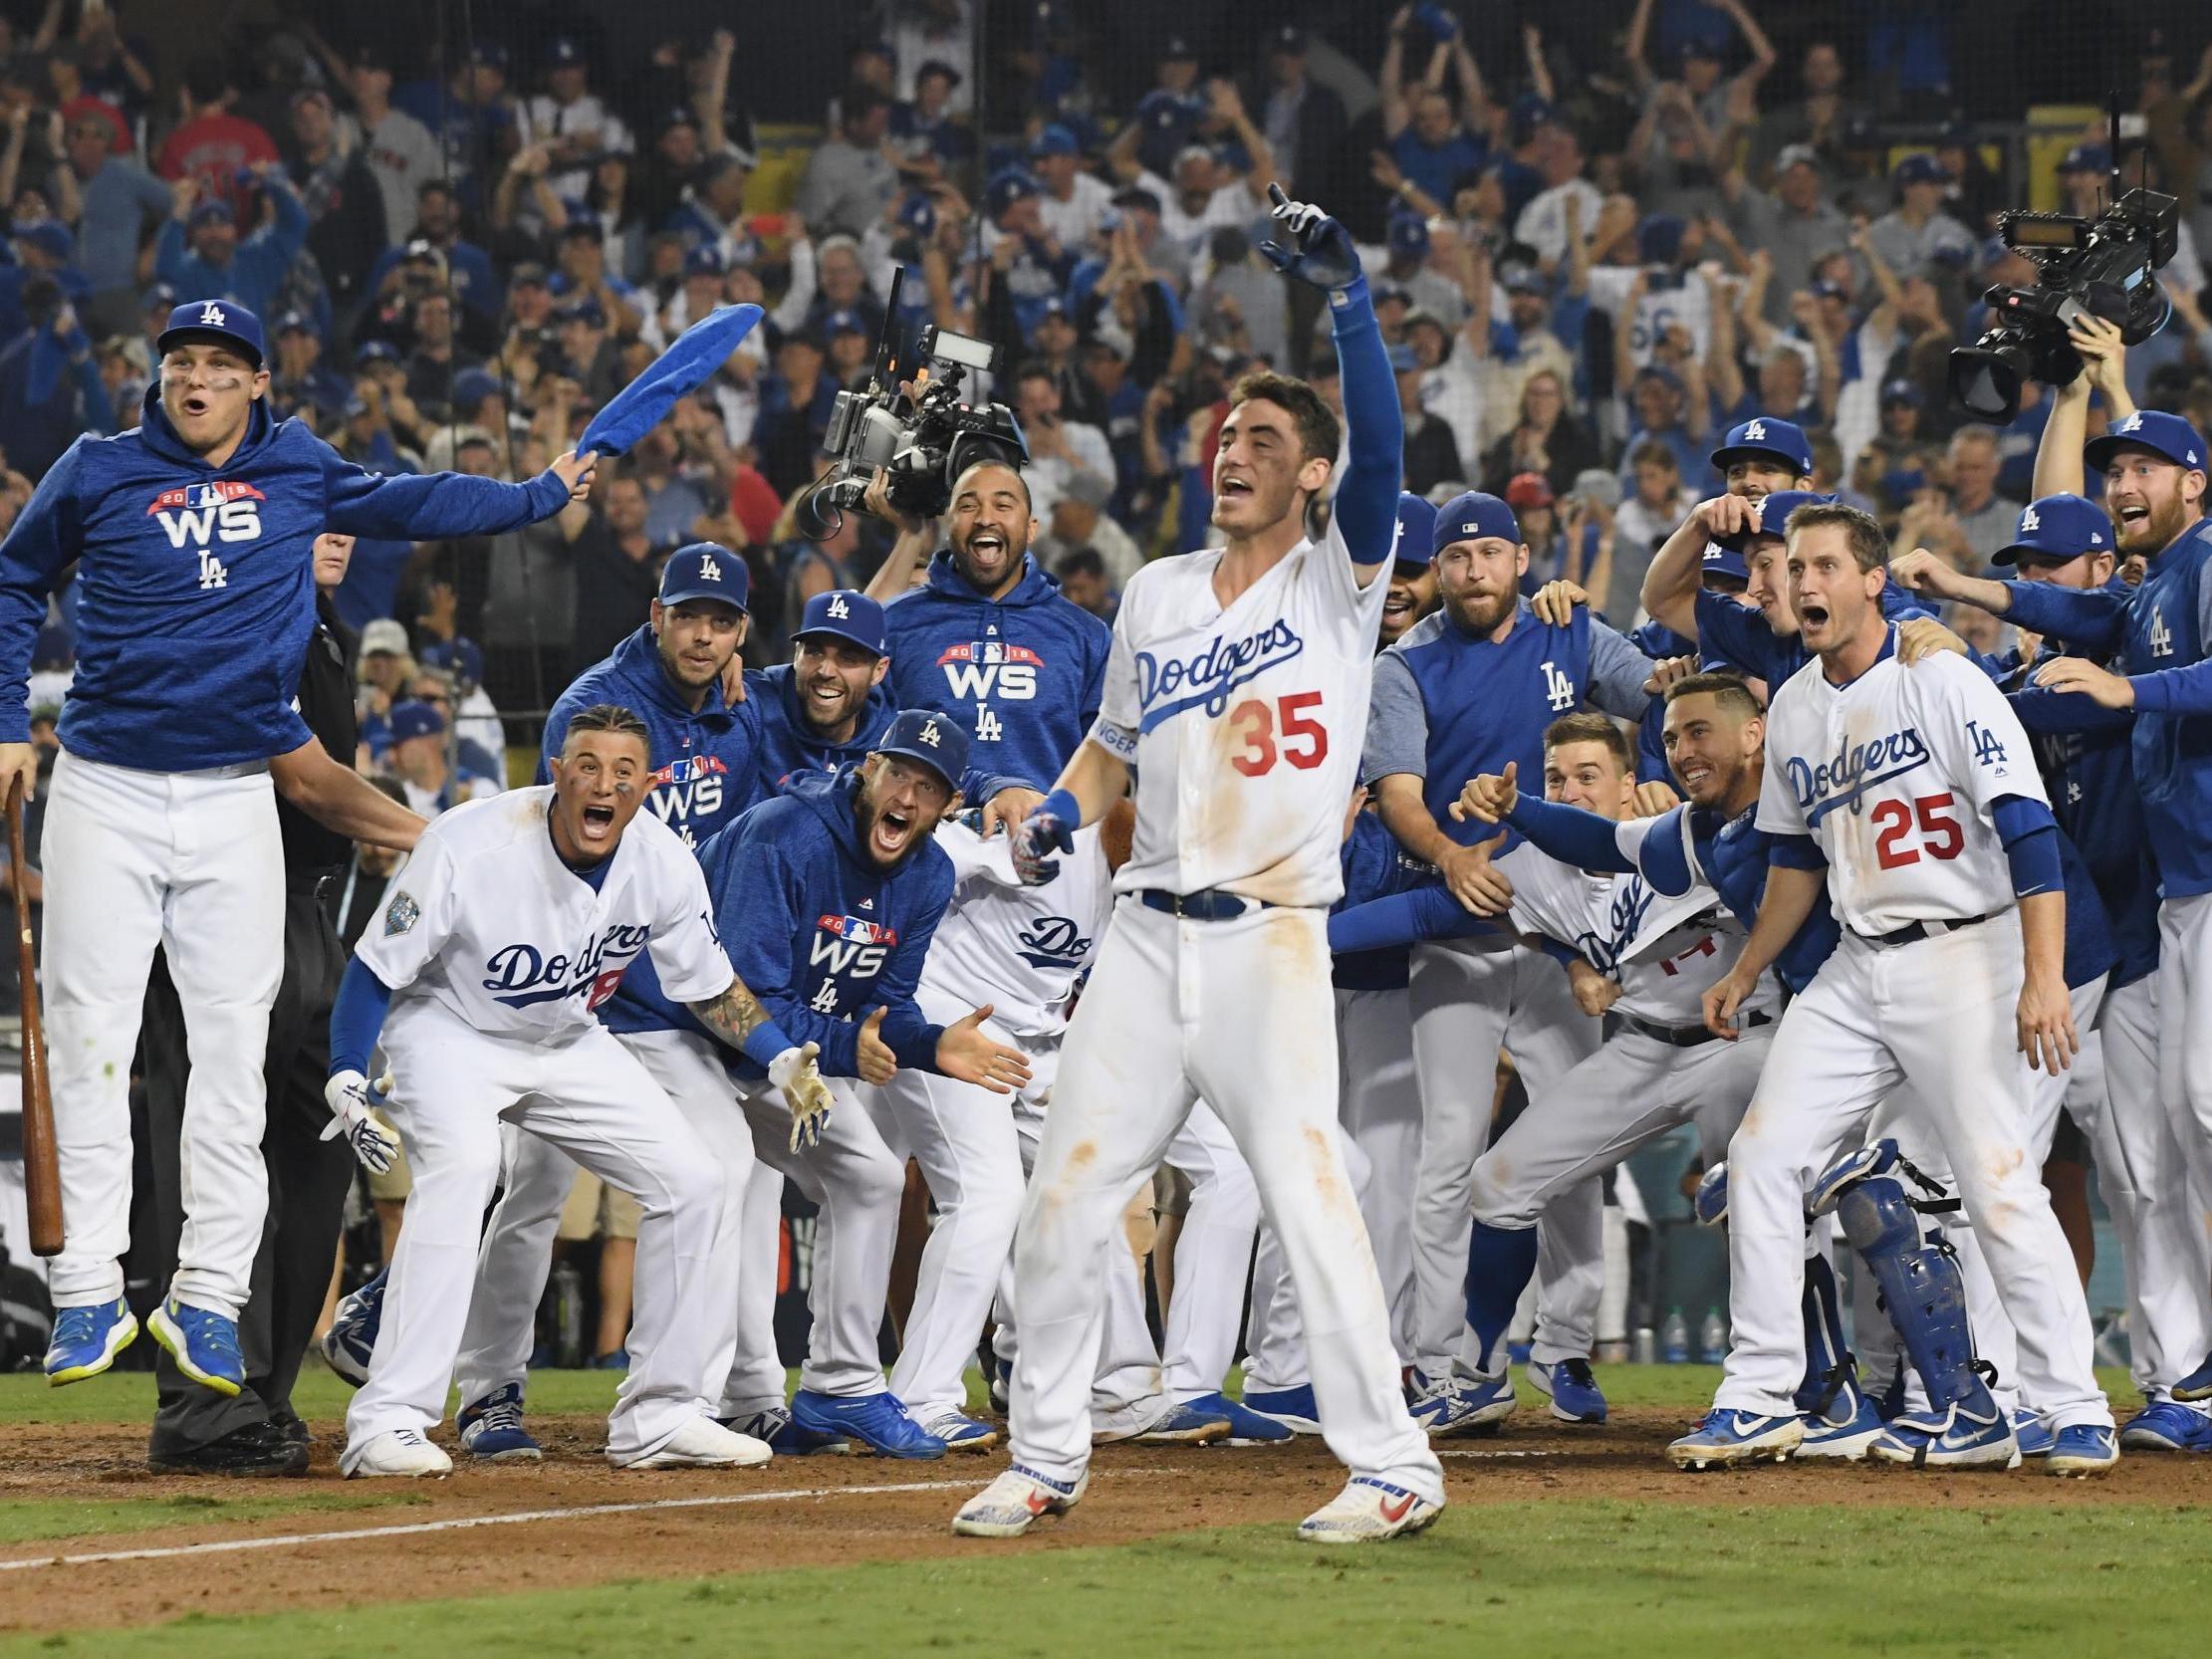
{"type": "Point", "coordinates": [127, 1396]}
{"type": "Point", "coordinates": [1646, 1581]}
{"type": "Point", "coordinates": [26, 1519]}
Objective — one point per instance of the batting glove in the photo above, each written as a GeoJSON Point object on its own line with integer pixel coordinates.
{"type": "Point", "coordinates": [794, 1071]}
{"type": "Point", "coordinates": [1320, 251]}
{"type": "Point", "coordinates": [351, 1098]}
{"type": "Point", "coordinates": [1049, 828]}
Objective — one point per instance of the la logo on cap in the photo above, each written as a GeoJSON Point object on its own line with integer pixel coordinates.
{"type": "Point", "coordinates": [2133, 423]}
{"type": "Point", "coordinates": [929, 733]}
{"type": "Point", "coordinates": [211, 315]}
{"type": "Point", "coordinates": [839, 609]}
{"type": "Point", "coordinates": [1755, 431]}
{"type": "Point", "coordinates": [709, 571]}
{"type": "Point", "coordinates": [2029, 520]}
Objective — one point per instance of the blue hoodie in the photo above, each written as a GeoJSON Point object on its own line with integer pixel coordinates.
{"type": "Point", "coordinates": [197, 591]}
{"type": "Point", "coordinates": [815, 929]}
{"type": "Point", "coordinates": [788, 746]}
{"type": "Point", "coordinates": [1024, 674]}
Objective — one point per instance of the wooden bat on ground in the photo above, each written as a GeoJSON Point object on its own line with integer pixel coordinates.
{"type": "Point", "coordinates": [42, 1174]}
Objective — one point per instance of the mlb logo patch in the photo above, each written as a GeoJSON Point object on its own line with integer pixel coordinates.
{"type": "Point", "coordinates": [400, 915]}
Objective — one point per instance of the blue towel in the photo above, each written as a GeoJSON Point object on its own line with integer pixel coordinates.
{"type": "Point", "coordinates": [686, 365]}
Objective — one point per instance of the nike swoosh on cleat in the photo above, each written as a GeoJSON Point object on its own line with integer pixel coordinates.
{"type": "Point", "coordinates": [1038, 1502]}
{"type": "Point", "coordinates": [1397, 1515]}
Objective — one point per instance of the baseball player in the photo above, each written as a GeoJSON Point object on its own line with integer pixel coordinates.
{"type": "Point", "coordinates": [2154, 471]}
{"type": "Point", "coordinates": [514, 918]}
{"type": "Point", "coordinates": [193, 537]}
{"type": "Point", "coordinates": [1465, 692]}
{"type": "Point", "coordinates": [1237, 684]}
{"type": "Point", "coordinates": [1913, 792]}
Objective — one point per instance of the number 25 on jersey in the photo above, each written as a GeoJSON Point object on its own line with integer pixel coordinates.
{"type": "Point", "coordinates": [1282, 730]}
{"type": "Point", "coordinates": [1894, 821]}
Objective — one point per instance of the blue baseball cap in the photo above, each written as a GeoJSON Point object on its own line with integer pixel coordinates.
{"type": "Point", "coordinates": [414, 719]}
{"type": "Point", "coordinates": [1660, 238]}
{"type": "Point", "coordinates": [918, 215]}
{"type": "Point", "coordinates": [1402, 358]}
{"type": "Point", "coordinates": [1724, 561]}
{"type": "Point", "coordinates": [1920, 168]}
{"type": "Point", "coordinates": [214, 320]}
{"type": "Point", "coordinates": [846, 322]}
{"type": "Point", "coordinates": [936, 740]}
{"type": "Point", "coordinates": [706, 570]}
{"type": "Point", "coordinates": [1056, 140]}
{"type": "Point", "coordinates": [564, 51]}
{"type": "Point", "coordinates": [1473, 517]}
{"type": "Point", "coordinates": [1408, 235]}
{"type": "Point", "coordinates": [1901, 390]}
{"type": "Point", "coordinates": [1762, 439]}
{"type": "Point", "coordinates": [49, 236]}
{"type": "Point", "coordinates": [472, 386]}
{"type": "Point", "coordinates": [1414, 541]}
{"type": "Point", "coordinates": [1009, 185]}
{"type": "Point", "coordinates": [845, 613]}
{"type": "Point", "coordinates": [2058, 528]}
{"type": "Point", "coordinates": [1774, 512]}
{"type": "Point", "coordinates": [2087, 158]}
{"type": "Point", "coordinates": [706, 260]}
{"type": "Point", "coordinates": [2166, 435]}
{"type": "Point", "coordinates": [462, 659]}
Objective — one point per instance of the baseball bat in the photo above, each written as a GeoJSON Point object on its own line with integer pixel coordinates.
{"type": "Point", "coordinates": [42, 1172]}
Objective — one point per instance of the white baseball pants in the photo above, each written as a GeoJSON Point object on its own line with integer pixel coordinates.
{"type": "Point", "coordinates": [1274, 1338]}
{"type": "Point", "coordinates": [1213, 1256]}
{"type": "Point", "coordinates": [1240, 1011]}
{"type": "Point", "coordinates": [191, 863]}
{"type": "Point", "coordinates": [1379, 1103]}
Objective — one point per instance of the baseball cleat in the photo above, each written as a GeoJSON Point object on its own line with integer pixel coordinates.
{"type": "Point", "coordinates": [351, 1339]}
{"type": "Point", "coordinates": [1293, 1408]}
{"type": "Point", "coordinates": [2033, 1434]}
{"type": "Point", "coordinates": [701, 1443]}
{"type": "Point", "coordinates": [1455, 1406]}
{"type": "Point", "coordinates": [960, 1432]}
{"type": "Point", "coordinates": [396, 1451]}
{"type": "Point", "coordinates": [785, 1437]}
{"type": "Point", "coordinates": [2198, 1385]}
{"type": "Point", "coordinates": [1952, 1438]}
{"type": "Point", "coordinates": [2166, 1426]}
{"type": "Point", "coordinates": [203, 1343]}
{"type": "Point", "coordinates": [2083, 1449]}
{"type": "Point", "coordinates": [88, 1339]}
{"type": "Point", "coordinates": [1001, 1390]}
{"type": "Point", "coordinates": [1572, 1388]}
{"type": "Point", "coordinates": [256, 1449]}
{"type": "Point", "coordinates": [1012, 1504]}
{"type": "Point", "coordinates": [1187, 1423]}
{"type": "Point", "coordinates": [879, 1421]}
{"type": "Point", "coordinates": [1246, 1427]}
{"type": "Point", "coordinates": [1843, 1433]}
{"type": "Point", "coordinates": [1368, 1511]}
{"type": "Point", "coordinates": [491, 1428]}
{"type": "Point", "coordinates": [1727, 1437]}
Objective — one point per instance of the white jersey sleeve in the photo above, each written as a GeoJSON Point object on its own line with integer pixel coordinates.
{"type": "Point", "coordinates": [686, 953]}
{"type": "Point", "coordinates": [1978, 739]}
{"type": "Point", "coordinates": [417, 917]}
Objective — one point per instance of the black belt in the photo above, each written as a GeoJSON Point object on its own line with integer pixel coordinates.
{"type": "Point", "coordinates": [1208, 904]}
{"type": "Point", "coordinates": [1689, 1037]}
{"type": "Point", "coordinates": [1913, 932]}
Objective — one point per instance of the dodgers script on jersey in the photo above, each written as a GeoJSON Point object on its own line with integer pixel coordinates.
{"type": "Point", "coordinates": [1019, 948]}
{"type": "Point", "coordinates": [1244, 725]}
{"type": "Point", "coordinates": [485, 919]}
{"type": "Point", "coordinates": [1895, 777]}
{"type": "Point", "coordinates": [1662, 951]}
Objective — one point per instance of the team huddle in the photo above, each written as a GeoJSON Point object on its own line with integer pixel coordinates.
{"type": "Point", "coordinates": [1258, 886]}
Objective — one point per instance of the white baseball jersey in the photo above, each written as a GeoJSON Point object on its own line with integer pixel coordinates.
{"type": "Point", "coordinates": [485, 919]}
{"type": "Point", "coordinates": [1020, 949]}
{"type": "Point", "coordinates": [1663, 952]}
{"type": "Point", "coordinates": [1243, 725]}
{"type": "Point", "coordinates": [1895, 775]}
{"type": "Point", "coordinates": [1661, 308]}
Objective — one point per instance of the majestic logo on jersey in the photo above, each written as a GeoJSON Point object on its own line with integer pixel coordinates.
{"type": "Point", "coordinates": [200, 514]}
{"type": "Point", "coordinates": [1855, 768]}
{"type": "Point", "coordinates": [1558, 690]}
{"type": "Point", "coordinates": [522, 976]}
{"type": "Point", "coordinates": [1165, 686]}
{"type": "Point", "coordinates": [848, 944]}
{"type": "Point", "coordinates": [400, 915]}
{"type": "Point", "coordinates": [991, 669]}
{"type": "Point", "coordinates": [1051, 942]}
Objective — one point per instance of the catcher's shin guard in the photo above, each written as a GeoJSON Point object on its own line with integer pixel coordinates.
{"type": "Point", "coordinates": [1921, 1288]}
{"type": "Point", "coordinates": [1829, 1364]}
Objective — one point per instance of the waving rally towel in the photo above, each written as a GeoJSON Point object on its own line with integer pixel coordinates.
{"type": "Point", "coordinates": [685, 367]}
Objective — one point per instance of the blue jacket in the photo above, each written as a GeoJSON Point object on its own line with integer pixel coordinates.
{"type": "Point", "coordinates": [1024, 674]}
{"type": "Point", "coordinates": [258, 264]}
{"type": "Point", "coordinates": [196, 586]}
{"type": "Point", "coordinates": [816, 930]}
{"type": "Point", "coordinates": [786, 745]}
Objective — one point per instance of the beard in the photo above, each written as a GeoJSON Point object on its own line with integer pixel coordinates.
{"type": "Point", "coordinates": [2152, 535]}
{"type": "Point", "coordinates": [1481, 613]}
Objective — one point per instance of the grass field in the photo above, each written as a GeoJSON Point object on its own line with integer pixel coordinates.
{"type": "Point", "coordinates": [1552, 1538]}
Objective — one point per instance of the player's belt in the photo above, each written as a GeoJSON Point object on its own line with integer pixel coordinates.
{"type": "Point", "coordinates": [1208, 904]}
{"type": "Point", "coordinates": [1688, 1037]}
{"type": "Point", "coordinates": [1913, 932]}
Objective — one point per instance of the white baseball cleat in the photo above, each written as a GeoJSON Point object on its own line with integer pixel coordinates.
{"type": "Point", "coordinates": [1010, 1505]}
{"type": "Point", "coordinates": [701, 1443]}
{"type": "Point", "coordinates": [1368, 1511]}
{"type": "Point", "coordinates": [396, 1451]}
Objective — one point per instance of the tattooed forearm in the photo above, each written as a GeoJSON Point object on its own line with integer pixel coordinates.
{"type": "Point", "coordinates": [733, 1016]}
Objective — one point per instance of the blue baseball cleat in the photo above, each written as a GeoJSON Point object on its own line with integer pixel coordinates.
{"type": "Point", "coordinates": [88, 1339]}
{"type": "Point", "coordinates": [960, 1432]}
{"type": "Point", "coordinates": [1845, 1431]}
{"type": "Point", "coordinates": [2168, 1426]}
{"type": "Point", "coordinates": [2198, 1385]}
{"type": "Point", "coordinates": [1293, 1408]}
{"type": "Point", "coordinates": [1187, 1423]}
{"type": "Point", "coordinates": [203, 1343]}
{"type": "Point", "coordinates": [1452, 1407]}
{"type": "Point", "coordinates": [1953, 1438]}
{"type": "Point", "coordinates": [1246, 1426]}
{"type": "Point", "coordinates": [785, 1437]}
{"type": "Point", "coordinates": [1725, 1438]}
{"type": "Point", "coordinates": [2084, 1449]}
{"type": "Point", "coordinates": [491, 1428]}
{"type": "Point", "coordinates": [1572, 1389]}
{"type": "Point", "coordinates": [2034, 1435]}
{"type": "Point", "coordinates": [351, 1339]}
{"type": "Point", "coordinates": [879, 1421]}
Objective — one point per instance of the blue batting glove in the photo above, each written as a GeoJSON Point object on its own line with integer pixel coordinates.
{"type": "Point", "coordinates": [1049, 828]}
{"type": "Point", "coordinates": [1321, 252]}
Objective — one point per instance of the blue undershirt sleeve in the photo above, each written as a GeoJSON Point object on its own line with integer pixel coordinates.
{"type": "Point", "coordinates": [357, 1018]}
